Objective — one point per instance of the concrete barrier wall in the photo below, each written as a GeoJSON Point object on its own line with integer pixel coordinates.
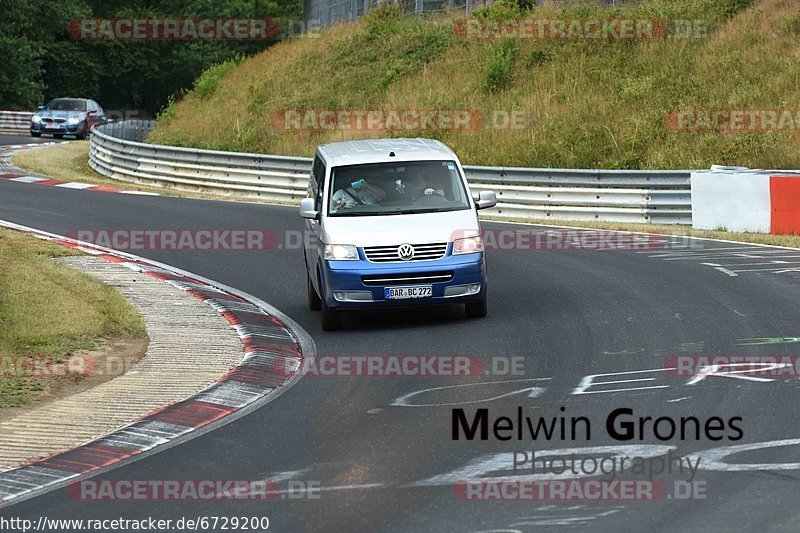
{"type": "Point", "coordinates": [738, 199]}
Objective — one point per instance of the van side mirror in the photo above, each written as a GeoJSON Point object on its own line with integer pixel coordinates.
{"type": "Point", "coordinates": [307, 209]}
{"type": "Point", "coordinates": [486, 199]}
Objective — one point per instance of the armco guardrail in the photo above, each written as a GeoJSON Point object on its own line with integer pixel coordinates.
{"type": "Point", "coordinates": [663, 197]}
{"type": "Point", "coordinates": [15, 120]}
{"type": "Point", "coordinates": [277, 178]}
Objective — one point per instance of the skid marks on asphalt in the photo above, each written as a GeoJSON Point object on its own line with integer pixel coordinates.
{"type": "Point", "coordinates": [577, 516]}
{"type": "Point", "coordinates": [735, 259]}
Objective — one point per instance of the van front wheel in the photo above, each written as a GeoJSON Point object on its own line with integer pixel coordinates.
{"type": "Point", "coordinates": [314, 301]}
{"type": "Point", "coordinates": [476, 309]}
{"type": "Point", "coordinates": [331, 319]}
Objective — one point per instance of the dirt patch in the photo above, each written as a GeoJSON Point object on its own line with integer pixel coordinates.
{"type": "Point", "coordinates": [83, 370]}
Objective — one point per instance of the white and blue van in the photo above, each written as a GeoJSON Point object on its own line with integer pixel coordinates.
{"type": "Point", "coordinates": [392, 223]}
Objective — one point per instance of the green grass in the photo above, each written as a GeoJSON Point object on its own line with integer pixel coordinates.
{"type": "Point", "coordinates": [48, 310]}
{"type": "Point", "coordinates": [590, 103]}
{"type": "Point", "coordinates": [207, 83]}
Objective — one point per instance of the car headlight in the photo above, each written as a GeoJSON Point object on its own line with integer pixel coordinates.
{"type": "Point", "coordinates": [74, 120]}
{"type": "Point", "coordinates": [341, 252]}
{"type": "Point", "coordinates": [468, 245]}
{"type": "Point", "coordinates": [36, 119]}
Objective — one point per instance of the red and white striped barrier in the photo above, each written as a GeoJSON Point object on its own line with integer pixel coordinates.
{"type": "Point", "coordinates": [738, 199]}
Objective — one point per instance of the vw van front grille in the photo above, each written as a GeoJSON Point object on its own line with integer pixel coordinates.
{"type": "Point", "coordinates": [421, 252]}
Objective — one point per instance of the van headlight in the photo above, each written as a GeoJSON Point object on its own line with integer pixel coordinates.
{"type": "Point", "coordinates": [468, 245]}
{"type": "Point", "coordinates": [341, 252]}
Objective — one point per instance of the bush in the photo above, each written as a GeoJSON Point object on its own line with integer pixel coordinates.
{"type": "Point", "coordinates": [499, 69]}
{"type": "Point", "coordinates": [502, 9]}
{"type": "Point", "coordinates": [727, 8]}
{"type": "Point", "coordinates": [383, 18]}
{"type": "Point", "coordinates": [206, 84]}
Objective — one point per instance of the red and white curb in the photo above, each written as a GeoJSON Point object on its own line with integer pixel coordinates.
{"type": "Point", "coordinates": [22, 178]}
{"type": "Point", "coordinates": [275, 347]}
{"type": "Point", "coordinates": [28, 145]}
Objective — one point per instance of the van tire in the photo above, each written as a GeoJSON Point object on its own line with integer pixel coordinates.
{"type": "Point", "coordinates": [331, 319]}
{"type": "Point", "coordinates": [476, 309]}
{"type": "Point", "coordinates": [314, 301]}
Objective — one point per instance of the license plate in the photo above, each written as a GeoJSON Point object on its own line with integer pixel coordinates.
{"type": "Point", "coordinates": [404, 293]}
{"type": "Point", "coordinates": [53, 126]}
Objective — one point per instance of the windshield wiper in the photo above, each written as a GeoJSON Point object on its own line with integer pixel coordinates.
{"type": "Point", "coordinates": [400, 212]}
{"type": "Point", "coordinates": [421, 211]}
{"type": "Point", "coordinates": [355, 214]}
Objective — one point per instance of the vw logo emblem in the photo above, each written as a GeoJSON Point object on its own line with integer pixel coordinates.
{"type": "Point", "coordinates": [405, 251]}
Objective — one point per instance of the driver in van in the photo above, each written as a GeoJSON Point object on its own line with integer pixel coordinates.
{"type": "Point", "coordinates": [358, 193]}
{"type": "Point", "coordinates": [419, 185]}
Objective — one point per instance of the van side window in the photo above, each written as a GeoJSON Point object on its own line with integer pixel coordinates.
{"type": "Point", "coordinates": [318, 181]}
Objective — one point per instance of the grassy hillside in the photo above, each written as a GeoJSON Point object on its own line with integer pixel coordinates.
{"type": "Point", "coordinates": [589, 103]}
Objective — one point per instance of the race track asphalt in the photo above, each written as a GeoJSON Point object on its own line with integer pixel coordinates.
{"type": "Point", "coordinates": [568, 314]}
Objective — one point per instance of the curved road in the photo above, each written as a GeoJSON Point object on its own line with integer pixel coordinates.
{"type": "Point", "coordinates": [21, 138]}
{"type": "Point", "coordinates": [569, 314]}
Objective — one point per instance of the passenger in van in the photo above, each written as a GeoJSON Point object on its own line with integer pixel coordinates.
{"type": "Point", "coordinates": [358, 193]}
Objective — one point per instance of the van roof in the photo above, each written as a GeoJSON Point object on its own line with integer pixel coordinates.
{"type": "Point", "coordinates": [378, 150]}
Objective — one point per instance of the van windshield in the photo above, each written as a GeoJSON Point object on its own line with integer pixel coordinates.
{"type": "Point", "coordinates": [396, 189]}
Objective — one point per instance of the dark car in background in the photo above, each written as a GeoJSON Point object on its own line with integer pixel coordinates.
{"type": "Point", "coordinates": [67, 116]}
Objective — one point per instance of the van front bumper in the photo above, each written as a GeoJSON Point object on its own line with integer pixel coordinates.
{"type": "Point", "coordinates": [345, 287]}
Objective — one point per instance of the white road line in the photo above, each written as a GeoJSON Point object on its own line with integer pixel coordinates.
{"type": "Point", "coordinates": [710, 254]}
{"type": "Point", "coordinates": [74, 185]}
{"type": "Point", "coordinates": [698, 250]}
{"type": "Point", "coordinates": [678, 399]}
{"type": "Point", "coordinates": [624, 390]}
{"type": "Point", "coordinates": [27, 179]}
{"type": "Point", "coordinates": [142, 193]}
{"type": "Point", "coordinates": [756, 264]}
{"type": "Point", "coordinates": [703, 257]}
{"type": "Point", "coordinates": [777, 270]}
